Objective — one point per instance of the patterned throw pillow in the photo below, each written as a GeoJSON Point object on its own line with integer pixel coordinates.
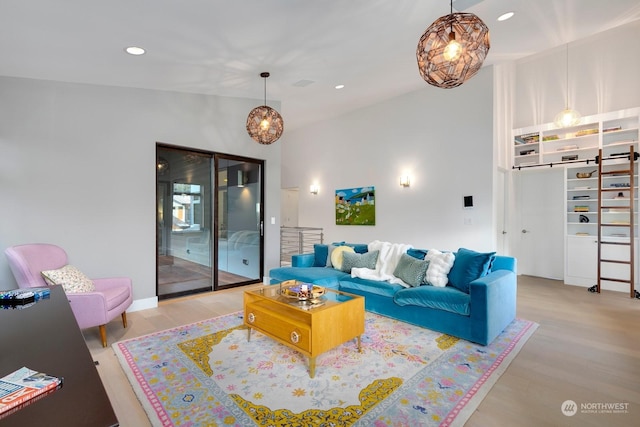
{"type": "Point", "coordinates": [411, 270]}
{"type": "Point", "coordinates": [356, 260]}
{"type": "Point", "coordinates": [70, 278]}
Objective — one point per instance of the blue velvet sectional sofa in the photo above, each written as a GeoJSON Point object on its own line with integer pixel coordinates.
{"type": "Point", "coordinates": [477, 312]}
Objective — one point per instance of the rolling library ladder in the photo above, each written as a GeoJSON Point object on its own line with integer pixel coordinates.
{"type": "Point", "coordinates": [616, 219]}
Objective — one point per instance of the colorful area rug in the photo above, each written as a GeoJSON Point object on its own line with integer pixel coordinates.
{"type": "Point", "coordinates": [208, 374]}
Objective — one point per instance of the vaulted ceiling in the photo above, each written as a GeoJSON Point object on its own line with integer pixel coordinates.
{"type": "Point", "coordinates": [221, 46]}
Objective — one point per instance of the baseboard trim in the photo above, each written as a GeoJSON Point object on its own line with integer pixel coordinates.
{"type": "Point", "coordinates": [143, 304]}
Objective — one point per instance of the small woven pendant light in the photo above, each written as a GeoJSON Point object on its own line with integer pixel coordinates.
{"type": "Point", "coordinates": [264, 124]}
{"type": "Point", "coordinates": [452, 49]}
{"type": "Point", "coordinates": [567, 117]}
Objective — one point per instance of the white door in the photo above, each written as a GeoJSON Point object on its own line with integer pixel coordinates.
{"type": "Point", "coordinates": [539, 207]}
{"type": "Point", "coordinates": [289, 207]}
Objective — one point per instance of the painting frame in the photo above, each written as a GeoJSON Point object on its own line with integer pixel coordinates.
{"type": "Point", "coordinates": [356, 206]}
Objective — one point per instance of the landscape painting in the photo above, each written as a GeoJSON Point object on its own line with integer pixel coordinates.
{"type": "Point", "coordinates": [356, 206]}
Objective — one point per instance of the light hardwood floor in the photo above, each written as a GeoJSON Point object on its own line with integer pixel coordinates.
{"type": "Point", "coordinates": [586, 349]}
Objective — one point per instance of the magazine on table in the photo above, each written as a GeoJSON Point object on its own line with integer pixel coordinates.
{"type": "Point", "coordinates": [22, 386]}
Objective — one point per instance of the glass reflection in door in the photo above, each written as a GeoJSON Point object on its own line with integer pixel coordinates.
{"type": "Point", "coordinates": [238, 220]}
{"type": "Point", "coordinates": [184, 222]}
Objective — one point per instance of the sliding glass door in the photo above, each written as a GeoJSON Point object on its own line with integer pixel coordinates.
{"type": "Point", "coordinates": [208, 221]}
{"type": "Point", "coordinates": [184, 206]}
{"type": "Point", "coordinates": [239, 220]}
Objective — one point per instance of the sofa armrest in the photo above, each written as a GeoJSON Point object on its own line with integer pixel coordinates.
{"type": "Point", "coordinates": [493, 303]}
{"type": "Point", "coordinates": [302, 260]}
{"type": "Point", "coordinates": [505, 263]}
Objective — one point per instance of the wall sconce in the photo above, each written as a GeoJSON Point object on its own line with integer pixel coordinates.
{"type": "Point", "coordinates": [404, 181]}
{"type": "Point", "coordinates": [313, 189]}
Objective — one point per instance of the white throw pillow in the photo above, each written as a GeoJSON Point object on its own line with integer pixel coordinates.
{"type": "Point", "coordinates": [439, 266]}
{"type": "Point", "coordinates": [70, 278]}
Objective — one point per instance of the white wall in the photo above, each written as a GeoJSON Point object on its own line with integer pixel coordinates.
{"type": "Point", "coordinates": [603, 77]}
{"type": "Point", "coordinates": [443, 138]}
{"type": "Point", "coordinates": [77, 169]}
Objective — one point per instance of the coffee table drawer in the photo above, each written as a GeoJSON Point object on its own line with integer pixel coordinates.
{"type": "Point", "coordinates": [279, 327]}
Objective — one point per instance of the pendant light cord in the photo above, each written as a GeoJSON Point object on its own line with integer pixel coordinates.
{"type": "Point", "coordinates": [567, 76]}
{"type": "Point", "coordinates": [451, 13]}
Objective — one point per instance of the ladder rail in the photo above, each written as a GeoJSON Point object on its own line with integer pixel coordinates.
{"type": "Point", "coordinates": [631, 223]}
{"type": "Point", "coordinates": [600, 170]}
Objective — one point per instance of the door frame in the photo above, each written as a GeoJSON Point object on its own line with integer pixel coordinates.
{"type": "Point", "coordinates": [214, 186]}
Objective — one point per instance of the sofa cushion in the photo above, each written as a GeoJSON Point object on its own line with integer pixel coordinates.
{"type": "Point", "coordinates": [318, 276]}
{"type": "Point", "coordinates": [357, 285]}
{"type": "Point", "coordinates": [411, 270]}
{"type": "Point", "coordinates": [447, 298]}
{"type": "Point", "coordinates": [468, 266]}
{"type": "Point", "coordinates": [355, 260]}
{"type": "Point", "coordinates": [440, 264]}
{"type": "Point", "coordinates": [336, 256]}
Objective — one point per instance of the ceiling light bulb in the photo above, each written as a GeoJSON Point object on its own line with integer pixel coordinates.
{"type": "Point", "coordinates": [505, 16]}
{"type": "Point", "coordinates": [134, 50]}
{"type": "Point", "coordinates": [453, 50]}
{"type": "Point", "coordinates": [339, 86]}
{"type": "Point", "coordinates": [264, 124]}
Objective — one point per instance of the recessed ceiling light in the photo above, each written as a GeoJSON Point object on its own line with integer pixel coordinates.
{"type": "Point", "coordinates": [505, 16]}
{"type": "Point", "coordinates": [339, 86]}
{"type": "Point", "coordinates": [134, 50]}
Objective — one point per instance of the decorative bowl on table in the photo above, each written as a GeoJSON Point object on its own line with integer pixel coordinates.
{"type": "Point", "coordinates": [303, 291]}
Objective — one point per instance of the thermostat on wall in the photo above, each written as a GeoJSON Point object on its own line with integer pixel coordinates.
{"type": "Point", "coordinates": [468, 202]}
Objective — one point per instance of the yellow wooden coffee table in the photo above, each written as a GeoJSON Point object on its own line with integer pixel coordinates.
{"type": "Point", "coordinates": [312, 326]}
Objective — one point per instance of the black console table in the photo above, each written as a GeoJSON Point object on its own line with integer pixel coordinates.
{"type": "Point", "coordinates": [45, 337]}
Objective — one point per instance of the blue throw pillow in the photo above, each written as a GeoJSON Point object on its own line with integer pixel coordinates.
{"type": "Point", "coordinates": [360, 248]}
{"type": "Point", "coordinates": [468, 266]}
{"type": "Point", "coordinates": [417, 253]}
{"type": "Point", "coordinates": [320, 254]}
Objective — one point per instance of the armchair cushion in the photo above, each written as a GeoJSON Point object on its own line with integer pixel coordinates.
{"type": "Point", "coordinates": [70, 278]}
{"type": "Point", "coordinates": [116, 296]}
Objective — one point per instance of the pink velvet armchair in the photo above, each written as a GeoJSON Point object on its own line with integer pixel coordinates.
{"type": "Point", "coordinates": [112, 296]}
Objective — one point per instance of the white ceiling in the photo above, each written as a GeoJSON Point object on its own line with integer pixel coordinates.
{"type": "Point", "coordinates": [221, 46]}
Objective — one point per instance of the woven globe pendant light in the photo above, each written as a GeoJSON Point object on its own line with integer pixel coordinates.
{"type": "Point", "coordinates": [264, 124]}
{"type": "Point", "coordinates": [452, 49]}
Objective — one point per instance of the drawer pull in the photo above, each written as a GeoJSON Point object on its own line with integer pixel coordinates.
{"type": "Point", "coordinates": [295, 337]}
{"type": "Point", "coordinates": [251, 317]}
